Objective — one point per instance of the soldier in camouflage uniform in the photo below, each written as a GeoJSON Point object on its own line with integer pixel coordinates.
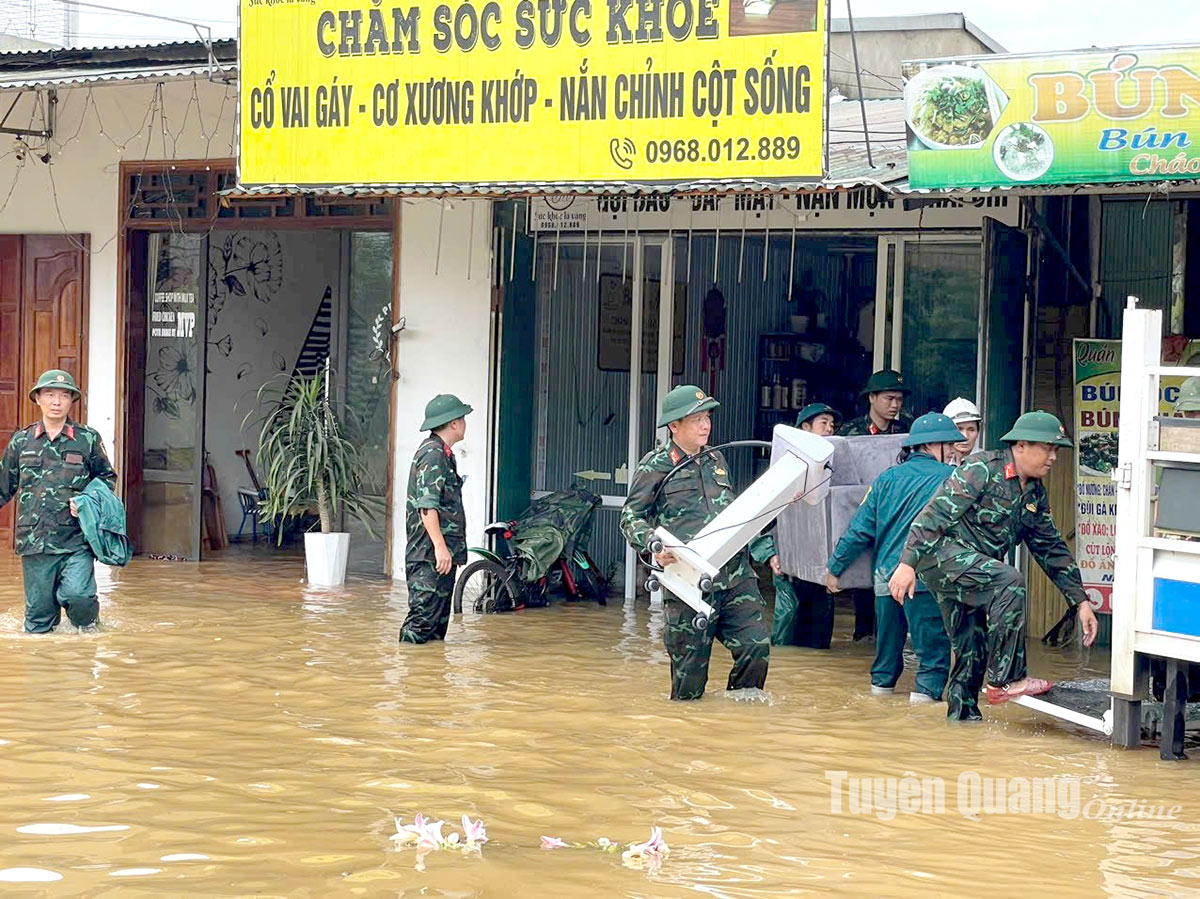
{"type": "Point", "coordinates": [884, 393]}
{"type": "Point", "coordinates": [958, 546]}
{"type": "Point", "coordinates": [689, 501]}
{"type": "Point", "coordinates": [46, 466]}
{"type": "Point", "coordinates": [436, 522]}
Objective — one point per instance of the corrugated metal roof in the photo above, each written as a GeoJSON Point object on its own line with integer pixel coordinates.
{"type": "Point", "coordinates": [69, 77]}
{"type": "Point", "coordinates": [166, 51]}
{"type": "Point", "coordinates": [62, 67]}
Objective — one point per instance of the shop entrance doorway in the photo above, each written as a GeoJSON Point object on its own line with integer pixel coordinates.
{"type": "Point", "coordinates": [224, 299]}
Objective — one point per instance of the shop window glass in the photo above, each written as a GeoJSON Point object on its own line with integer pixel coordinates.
{"type": "Point", "coordinates": [940, 341]}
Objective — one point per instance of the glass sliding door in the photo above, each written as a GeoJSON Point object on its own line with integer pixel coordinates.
{"type": "Point", "coordinates": [927, 325]}
{"type": "Point", "coordinates": [173, 455]}
{"type": "Point", "coordinates": [600, 372]}
{"type": "Point", "coordinates": [367, 375]}
{"type": "Point", "coordinates": [939, 345]}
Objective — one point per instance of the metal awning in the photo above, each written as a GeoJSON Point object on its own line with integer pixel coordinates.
{"type": "Point", "coordinates": [61, 78]}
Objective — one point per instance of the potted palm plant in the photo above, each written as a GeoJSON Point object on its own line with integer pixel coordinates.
{"type": "Point", "coordinates": [310, 465]}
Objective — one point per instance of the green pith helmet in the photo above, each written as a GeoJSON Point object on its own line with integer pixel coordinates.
{"type": "Point", "coordinates": [812, 410]}
{"type": "Point", "coordinates": [932, 428]}
{"type": "Point", "coordinates": [685, 400]}
{"type": "Point", "coordinates": [55, 377]}
{"type": "Point", "coordinates": [1038, 427]}
{"type": "Point", "coordinates": [1189, 396]}
{"type": "Point", "coordinates": [883, 380]}
{"type": "Point", "coordinates": [443, 409]}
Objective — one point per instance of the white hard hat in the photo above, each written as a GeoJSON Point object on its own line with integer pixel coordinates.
{"type": "Point", "coordinates": [959, 410]}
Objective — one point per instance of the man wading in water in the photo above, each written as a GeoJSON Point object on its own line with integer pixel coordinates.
{"type": "Point", "coordinates": [436, 522]}
{"type": "Point", "coordinates": [46, 466]}
{"type": "Point", "coordinates": [690, 500]}
{"type": "Point", "coordinates": [958, 544]}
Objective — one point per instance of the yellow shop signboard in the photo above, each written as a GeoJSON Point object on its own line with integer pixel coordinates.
{"type": "Point", "coordinates": [491, 91]}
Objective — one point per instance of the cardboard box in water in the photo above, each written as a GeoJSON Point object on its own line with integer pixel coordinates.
{"type": "Point", "coordinates": [806, 535]}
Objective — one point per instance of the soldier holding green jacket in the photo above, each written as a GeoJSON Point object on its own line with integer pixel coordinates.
{"type": "Point", "coordinates": [958, 546]}
{"type": "Point", "coordinates": [47, 465]}
{"type": "Point", "coordinates": [691, 499]}
{"type": "Point", "coordinates": [436, 522]}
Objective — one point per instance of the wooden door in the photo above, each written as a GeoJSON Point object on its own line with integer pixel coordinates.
{"type": "Point", "coordinates": [54, 311]}
{"type": "Point", "coordinates": [43, 324]}
{"type": "Point", "coordinates": [10, 360]}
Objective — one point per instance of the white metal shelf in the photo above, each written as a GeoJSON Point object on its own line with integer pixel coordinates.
{"type": "Point", "coordinates": [1164, 456]}
{"type": "Point", "coordinates": [1187, 547]}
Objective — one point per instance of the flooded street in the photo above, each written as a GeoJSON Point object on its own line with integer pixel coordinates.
{"type": "Point", "coordinates": [228, 736]}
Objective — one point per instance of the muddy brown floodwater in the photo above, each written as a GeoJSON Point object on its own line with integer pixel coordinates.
{"type": "Point", "coordinates": [232, 732]}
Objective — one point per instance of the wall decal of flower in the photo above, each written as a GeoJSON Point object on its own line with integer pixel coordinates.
{"type": "Point", "coordinates": [173, 381]}
{"type": "Point", "coordinates": [261, 258]}
{"type": "Point", "coordinates": [248, 264]}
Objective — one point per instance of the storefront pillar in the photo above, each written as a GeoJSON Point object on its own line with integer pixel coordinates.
{"type": "Point", "coordinates": [444, 289]}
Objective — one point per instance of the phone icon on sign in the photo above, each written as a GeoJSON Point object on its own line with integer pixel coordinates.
{"type": "Point", "coordinates": [622, 152]}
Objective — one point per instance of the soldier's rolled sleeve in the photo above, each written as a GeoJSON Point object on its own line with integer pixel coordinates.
{"type": "Point", "coordinates": [953, 498]}
{"type": "Point", "coordinates": [431, 481]}
{"type": "Point", "coordinates": [858, 537]}
{"type": "Point", "coordinates": [763, 547]}
{"type": "Point", "coordinates": [1051, 552]}
{"type": "Point", "coordinates": [10, 475]}
{"type": "Point", "coordinates": [639, 507]}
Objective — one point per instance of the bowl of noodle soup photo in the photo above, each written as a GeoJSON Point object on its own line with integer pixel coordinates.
{"type": "Point", "coordinates": [950, 107]}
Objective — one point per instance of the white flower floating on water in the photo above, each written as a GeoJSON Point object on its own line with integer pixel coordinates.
{"type": "Point", "coordinates": [654, 850]}
{"type": "Point", "coordinates": [427, 836]}
{"type": "Point", "coordinates": [651, 852]}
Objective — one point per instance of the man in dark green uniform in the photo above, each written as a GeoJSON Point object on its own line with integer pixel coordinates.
{"type": "Point", "coordinates": [803, 613]}
{"type": "Point", "coordinates": [689, 501]}
{"type": "Point", "coordinates": [46, 466]}
{"type": "Point", "coordinates": [884, 393]}
{"type": "Point", "coordinates": [436, 522]}
{"type": "Point", "coordinates": [958, 546]}
{"type": "Point", "coordinates": [882, 522]}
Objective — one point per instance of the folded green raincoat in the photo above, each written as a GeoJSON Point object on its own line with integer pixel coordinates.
{"type": "Point", "coordinates": [102, 519]}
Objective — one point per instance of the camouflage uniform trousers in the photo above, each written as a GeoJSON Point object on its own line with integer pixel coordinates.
{"type": "Point", "coordinates": [429, 595]}
{"type": "Point", "coordinates": [983, 605]}
{"type": "Point", "coordinates": [738, 621]}
{"type": "Point", "coordinates": [57, 581]}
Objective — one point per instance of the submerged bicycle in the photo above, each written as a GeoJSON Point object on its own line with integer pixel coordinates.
{"type": "Point", "coordinates": [541, 551]}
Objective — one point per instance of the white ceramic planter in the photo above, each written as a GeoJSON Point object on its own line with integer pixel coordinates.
{"type": "Point", "coordinates": [325, 558]}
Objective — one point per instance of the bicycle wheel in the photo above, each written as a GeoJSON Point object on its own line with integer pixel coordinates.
{"type": "Point", "coordinates": [486, 586]}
